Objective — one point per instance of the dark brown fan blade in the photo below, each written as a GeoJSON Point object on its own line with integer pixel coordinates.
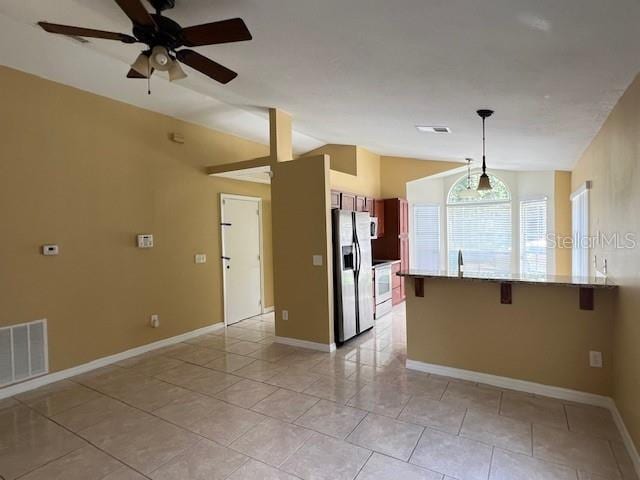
{"type": "Point", "coordinates": [226, 31]}
{"type": "Point", "coordinates": [134, 74]}
{"type": "Point", "coordinates": [204, 65]}
{"type": "Point", "coordinates": [136, 12]}
{"type": "Point", "coordinates": [85, 32]}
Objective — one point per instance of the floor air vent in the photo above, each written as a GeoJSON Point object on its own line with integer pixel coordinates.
{"type": "Point", "coordinates": [23, 352]}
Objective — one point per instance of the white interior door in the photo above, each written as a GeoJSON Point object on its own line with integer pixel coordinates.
{"type": "Point", "coordinates": [241, 262]}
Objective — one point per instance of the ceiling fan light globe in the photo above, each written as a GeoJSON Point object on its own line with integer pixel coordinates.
{"type": "Point", "coordinates": [160, 59]}
{"type": "Point", "coordinates": [176, 72]}
{"type": "Point", "coordinates": [484, 183]}
{"type": "Point", "coordinates": [141, 65]}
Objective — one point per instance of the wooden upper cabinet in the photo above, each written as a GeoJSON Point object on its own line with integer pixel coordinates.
{"type": "Point", "coordinates": [403, 213]}
{"type": "Point", "coordinates": [378, 212]}
{"type": "Point", "coordinates": [335, 199]}
{"type": "Point", "coordinates": [369, 206]}
{"type": "Point", "coordinates": [348, 201]}
{"type": "Point", "coordinates": [361, 204]}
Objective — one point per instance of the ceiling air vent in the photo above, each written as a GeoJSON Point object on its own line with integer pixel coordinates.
{"type": "Point", "coordinates": [23, 352]}
{"type": "Point", "coordinates": [432, 129]}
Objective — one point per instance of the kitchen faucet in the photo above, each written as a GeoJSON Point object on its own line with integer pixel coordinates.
{"type": "Point", "coordinates": [460, 263]}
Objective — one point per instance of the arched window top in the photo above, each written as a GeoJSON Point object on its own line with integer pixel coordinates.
{"type": "Point", "coordinates": [498, 193]}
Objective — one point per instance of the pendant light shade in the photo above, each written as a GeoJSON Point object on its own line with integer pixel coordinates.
{"type": "Point", "coordinates": [141, 65]}
{"type": "Point", "coordinates": [484, 183]}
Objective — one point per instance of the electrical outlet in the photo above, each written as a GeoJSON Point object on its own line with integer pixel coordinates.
{"type": "Point", "coordinates": [155, 321]}
{"type": "Point", "coordinates": [317, 260]}
{"type": "Point", "coordinates": [595, 359]}
{"type": "Point", "coordinates": [285, 314]}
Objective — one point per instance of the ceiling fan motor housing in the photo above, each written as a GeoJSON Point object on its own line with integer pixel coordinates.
{"type": "Point", "coordinates": [168, 34]}
{"type": "Point", "coordinates": [161, 5]}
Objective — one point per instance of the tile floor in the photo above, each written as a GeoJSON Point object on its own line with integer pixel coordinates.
{"type": "Point", "coordinates": [235, 405]}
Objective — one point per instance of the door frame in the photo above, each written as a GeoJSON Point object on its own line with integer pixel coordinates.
{"type": "Point", "coordinates": [258, 200]}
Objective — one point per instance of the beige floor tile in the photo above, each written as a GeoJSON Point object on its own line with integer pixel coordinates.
{"type": "Point", "coordinates": [58, 401]}
{"type": "Point", "coordinates": [579, 451]}
{"type": "Point", "coordinates": [18, 420]}
{"type": "Point", "coordinates": [197, 355]}
{"type": "Point", "coordinates": [8, 403]}
{"type": "Point", "coordinates": [246, 393]}
{"type": "Point", "coordinates": [594, 421]}
{"type": "Point", "coordinates": [451, 455]}
{"type": "Point", "coordinates": [144, 444]}
{"type": "Point", "coordinates": [297, 380]}
{"type": "Point", "coordinates": [254, 470]}
{"type": "Point", "coordinates": [187, 410]}
{"type": "Point", "coordinates": [155, 365]}
{"type": "Point", "coordinates": [218, 342]}
{"type": "Point", "coordinates": [272, 353]}
{"type": "Point", "coordinates": [272, 441]}
{"type": "Point", "coordinates": [184, 374]}
{"type": "Point", "coordinates": [243, 348]}
{"type": "Point", "coordinates": [92, 413]}
{"type": "Point", "coordinates": [146, 394]}
{"type": "Point", "coordinates": [414, 384]}
{"type": "Point", "coordinates": [334, 389]}
{"type": "Point", "coordinates": [285, 404]}
{"type": "Point", "coordinates": [593, 476]}
{"type": "Point", "coordinates": [226, 423]}
{"type": "Point", "coordinates": [36, 444]}
{"type": "Point", "coordinates": [332, 419]}
{"type": "Point", "coordinates": [125, 473]}
{"type": "Point", "coordinates": [325, 458]}
{"type": "Point", "coordinates": [472, 396]}
{"type": "Point", "coordinates": [213, 383]}
{"type": "Point", "coordinates": [87, 463]}
{"type": "Point", "coordinates": [381, 467]}
{"type": "Point", "coordinates": [386, 436]}
{"type": "Point", "coordinates": [425, 411]}
{"type": "Point", "coordinates": [259, 370]}
{"type": "Point", "coordinates": [514, 466]}
{"type": "Point", "coordinates": [336, 366]}
{"type": "Point", "coordinates": [540, 410]}
{"type": "Point", "coordinates": [381, 399]}
{"type": "Point", "coordinates": [102, 376]}
{"type": "Point", "coordinates": [229, 362]}
{"type": "Point", "coordinates": [204, 461]}
{"type": "Point", "coordinates": [493, 429]}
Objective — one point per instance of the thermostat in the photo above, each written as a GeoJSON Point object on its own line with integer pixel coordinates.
{"type": "Point", "coordinates": [145, 241]}
{"type": "Point", "coordinates": [50, 250]}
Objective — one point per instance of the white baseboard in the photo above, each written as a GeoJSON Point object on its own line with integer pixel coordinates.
{"type": "Point", "coordinates": [538, 389]}
{"type": "Point", "coordinates": [268, 309]}
{"type": "Point", "coordinates": [103, 362]}
{"type": "Point", "coordinates": [626, 437]}
{"type": "Point", "coordinates": [294, 342]}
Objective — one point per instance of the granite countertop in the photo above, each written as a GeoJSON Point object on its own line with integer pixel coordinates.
{"type": "Point", "coordinates": [562, 280]}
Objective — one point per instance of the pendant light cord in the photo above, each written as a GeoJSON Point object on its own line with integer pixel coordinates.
{"type": "Point", "coordinates": [484, 165]}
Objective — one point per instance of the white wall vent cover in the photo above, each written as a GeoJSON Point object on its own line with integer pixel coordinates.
{"type": "Point", "coordinates": [23, 352]}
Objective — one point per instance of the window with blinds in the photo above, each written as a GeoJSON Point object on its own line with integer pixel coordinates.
{"type": "Point", "coordinates": [426, 237]}
{"type": "Point", "coordinates": [483, 232]}
{"type": "Point", "coordinates": [533, 237]}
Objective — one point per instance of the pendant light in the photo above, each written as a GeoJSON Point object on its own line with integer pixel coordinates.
{"type": "Point", "coordinates": [484, 183]}
{"type": "Point", "coordinates": [469, 193]}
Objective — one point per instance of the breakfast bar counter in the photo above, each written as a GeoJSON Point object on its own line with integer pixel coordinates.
{"type": "Point", "coordinates": [547, 331]}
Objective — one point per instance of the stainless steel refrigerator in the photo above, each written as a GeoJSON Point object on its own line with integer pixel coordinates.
{"type": "Point", "coordinates": [353, 277]}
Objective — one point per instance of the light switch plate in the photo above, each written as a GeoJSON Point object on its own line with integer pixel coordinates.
{"type": "Point", "coordinates": [595, 359]}
{"type": "Point", "coordinates": [285, 314]}
{"type": "Point", "coordinates": [200, 258]}
{"type": "Point", "coordinates": [317, 260]}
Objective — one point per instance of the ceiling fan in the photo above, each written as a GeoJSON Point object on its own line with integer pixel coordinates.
{"type": "Point", "coordinates": [163, 38]}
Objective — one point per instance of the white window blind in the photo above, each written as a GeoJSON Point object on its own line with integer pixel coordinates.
{"type": "Point", "coordinates": [580, 231]}
{"type": "Point", "coordinates": [533, 237]}
{"type": "Point", "coordinates": [483, 232]}
{"type": "Point", "coordinates": [426, 236]}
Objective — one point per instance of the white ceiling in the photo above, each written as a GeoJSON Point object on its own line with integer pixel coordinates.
{"type": "Point", "coordinates": [366, 71]}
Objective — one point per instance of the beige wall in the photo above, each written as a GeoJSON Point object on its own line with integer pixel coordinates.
{"type": "Point", "coordinates": [301, 229]}
{"type": "Point", "coordinates": [612, 163]}
{"type": "Point", "coordinates": [562, 220]}
{"type": "Point", "coordinates": [395, 172]}
{"type": "Point", "coordinates": [542, 337]}
{"type": "Point", "coordinates": [89, 173]}
{"type": "Point", "coordinates": [366, 181]}
{"type": "Point", "coordinates": [344, 158]}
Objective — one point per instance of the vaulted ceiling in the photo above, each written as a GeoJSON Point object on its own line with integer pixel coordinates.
{"type": "Point", "coordinates": [366, 72]}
